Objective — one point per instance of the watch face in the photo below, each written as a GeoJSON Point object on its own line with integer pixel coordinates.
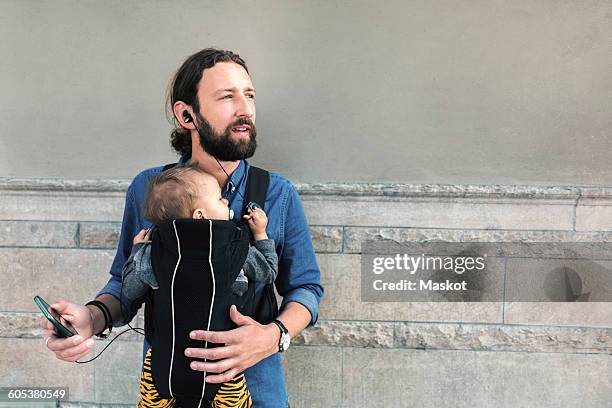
{"type": "Point", "coordinates": [285, 341]}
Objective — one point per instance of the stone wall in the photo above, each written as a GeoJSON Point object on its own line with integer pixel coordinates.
{"type": "Point", "coordinates": [58, 240]}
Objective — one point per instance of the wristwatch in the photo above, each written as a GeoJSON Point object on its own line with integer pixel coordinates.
{"type": "Point", "coordinates": [285, 340]}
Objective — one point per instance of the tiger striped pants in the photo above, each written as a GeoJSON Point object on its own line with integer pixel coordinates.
{"type": "Point", "coordinates": [232, 394]}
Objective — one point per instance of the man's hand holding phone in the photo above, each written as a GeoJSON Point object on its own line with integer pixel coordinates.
{"type": "Point", "coordinates": [75, 347]}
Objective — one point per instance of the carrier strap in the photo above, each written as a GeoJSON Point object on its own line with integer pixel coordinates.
{"type": "Point", "coordinates": [256, 189]}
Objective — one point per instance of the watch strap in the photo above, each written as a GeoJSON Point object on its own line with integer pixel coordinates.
{"type": "Point", "coordinates": [284, 335]}
{"type": "Point", "coordinates": [281, 326]}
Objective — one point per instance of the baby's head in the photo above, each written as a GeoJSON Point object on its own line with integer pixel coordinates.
{"type": "Point", "coordinates": [184, 191]}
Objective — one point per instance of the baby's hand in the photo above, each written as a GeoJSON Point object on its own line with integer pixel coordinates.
{"type": "Point", "coordinates": [142, 236]}
{"type": "Point", "coordinates": [258, 221]}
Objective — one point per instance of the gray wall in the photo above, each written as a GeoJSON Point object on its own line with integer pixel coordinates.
{"type": "Point", "coordinates": [406, 91]}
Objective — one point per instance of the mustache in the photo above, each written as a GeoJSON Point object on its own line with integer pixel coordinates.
{"type": "Point", "coordinates": [242, 121]}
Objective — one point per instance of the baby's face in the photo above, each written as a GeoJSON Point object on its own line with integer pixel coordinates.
{"type": "Point", "coordinates": [210, 201]}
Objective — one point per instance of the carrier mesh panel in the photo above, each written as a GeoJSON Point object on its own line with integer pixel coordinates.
{"type": "Point", "coordinates": [186, 306]}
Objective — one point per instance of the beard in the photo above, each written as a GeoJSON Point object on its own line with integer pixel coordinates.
{"type": "Point", "coordinates": [223, 146]}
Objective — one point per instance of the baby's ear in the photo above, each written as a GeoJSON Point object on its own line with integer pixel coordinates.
{"type": "Point", "coordinates": [198, 214]}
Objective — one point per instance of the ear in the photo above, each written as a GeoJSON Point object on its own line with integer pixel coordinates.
{"type": "Point", "coordinates": [178, 109]}
{"type": "Point", "coordinates": [198, 214]}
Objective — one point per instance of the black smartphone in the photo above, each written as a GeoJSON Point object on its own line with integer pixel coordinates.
{"type": "Point", "coordinates": [63, 328]}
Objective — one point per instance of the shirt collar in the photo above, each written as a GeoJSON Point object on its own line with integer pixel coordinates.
{"type": "Point", "coordinates": [235, 180]}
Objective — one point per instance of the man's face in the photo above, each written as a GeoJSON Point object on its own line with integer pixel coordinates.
{"type": "Point", "coordinates": [226, 121]}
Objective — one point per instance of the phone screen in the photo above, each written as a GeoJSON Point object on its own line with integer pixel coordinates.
{"type": "Point", "coordinates": [63, 326]}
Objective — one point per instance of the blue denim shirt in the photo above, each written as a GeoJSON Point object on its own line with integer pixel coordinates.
{"type": "Point", "coordinates": [298, 273]}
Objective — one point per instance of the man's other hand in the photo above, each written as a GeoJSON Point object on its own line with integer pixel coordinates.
{"type": "Point", "coordinates": [244, 347]}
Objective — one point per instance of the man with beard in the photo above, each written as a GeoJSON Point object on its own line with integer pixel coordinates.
{"type": "Point", "coordinates": [212, 101]}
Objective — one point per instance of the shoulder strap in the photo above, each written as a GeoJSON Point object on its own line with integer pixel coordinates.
{"type": "Point", "coordinates": [256, 190]}
{"type": "Point", "coordinates": [256, 187]}
{"type": "Point", "coordinates": [266, 307]}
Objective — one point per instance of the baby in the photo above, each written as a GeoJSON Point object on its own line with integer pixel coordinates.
{"type": "Point", "coordinates": [188, 192]}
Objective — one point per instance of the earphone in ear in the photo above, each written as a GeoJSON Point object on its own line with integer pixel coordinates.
{"type": "Point", "coordinates": [187, 117]}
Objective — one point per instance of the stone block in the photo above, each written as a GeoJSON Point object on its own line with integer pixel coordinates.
{"type": "Point", "coordinates": [16, 325]}
{"type": "Point", "coordinates": [75, 275]}
{"type": "Point", "coordinates": [484, 337]}
{"type": "Point", "coordinates": [62, 185]}
{"type": "Point", "coordinates": [356, 236]}
{"type": "Point", "coordinates": [314, 376]}
{"type": "Point", "coordinates": [466, 379]}
{"type": "Point", "coordinates": [468, 213]}
{"type": "Point", "coordinates": [37, 234]}
{"type": "Point", "coordinates": [348, 334]}
{"type": "Point", "coordinates": [61, 205]}
{"type": "Point", "coordinates": [457, 336]}
{"type": "Point", "coordinates": [27, 325]}
{"type": "Point", "coordinates": [102, 235]}
{"type": "Point", "coordinates": [403, 190]}
{"type": "Point", "coordinates": [117, 372]}
{"type": "Point", "coordinates": [340, 276]}
{"type": "Point", "coordinates": [581, 314]}
{"type": "Point", "coordinates": [27, 362]}
{"type": "Point", "coordinates": [594, 211]}
{"type": "Point", "coordinates": [326, 239]}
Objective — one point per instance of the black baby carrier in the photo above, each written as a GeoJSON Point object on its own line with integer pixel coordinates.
{"type": "Point", "coordinates": [195, 263]}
